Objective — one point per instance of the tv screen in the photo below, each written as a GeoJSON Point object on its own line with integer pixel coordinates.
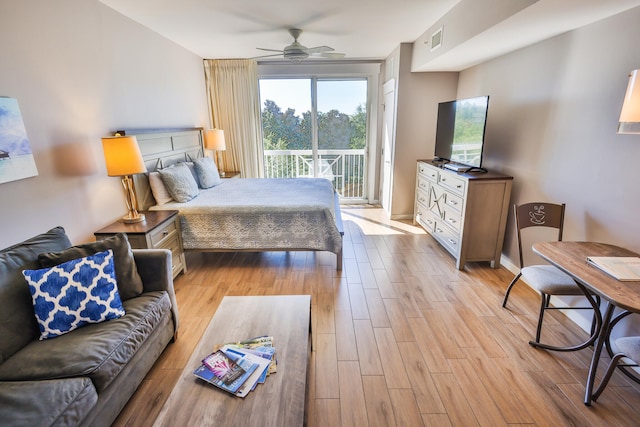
{"type": "Point", "coordinates": [460, 130]}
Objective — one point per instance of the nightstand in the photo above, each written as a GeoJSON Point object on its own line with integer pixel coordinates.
{"type": "Point", "coordinates": [160, 230]}
{"type": "Point", "coordinates": [230, 175]}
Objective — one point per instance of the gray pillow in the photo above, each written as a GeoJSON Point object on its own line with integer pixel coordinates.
{"type": "Point", "coordinates": [179, 182]}
{"type": "Point", "coordinates": [207, 172]}
{"type": "Point", "coordinates": [129, 281]}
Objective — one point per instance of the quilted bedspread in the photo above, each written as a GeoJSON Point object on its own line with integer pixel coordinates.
{"type": "Point", "coordinates": [261, 214]}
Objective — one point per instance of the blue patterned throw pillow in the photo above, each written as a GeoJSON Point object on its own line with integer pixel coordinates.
{"type": "Point", "coordinates": [74, 294]}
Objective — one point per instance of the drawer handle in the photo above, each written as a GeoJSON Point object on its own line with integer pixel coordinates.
{"type": "Point", "coordinates": [459, 186]}
{"type": "Point", "coordinates": [165, 233]}
{"type": "Point", "coordinates": [439, 230]}
{"type": "Point", "coordinates": [453, 242]}
{"type": "Point", "coordinates": [454, 203]}
{"type": "Point", "coordinates": [451, 220]}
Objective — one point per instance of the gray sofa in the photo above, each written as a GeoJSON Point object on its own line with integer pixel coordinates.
{"type": "Point", "coordinates": [86, 376]}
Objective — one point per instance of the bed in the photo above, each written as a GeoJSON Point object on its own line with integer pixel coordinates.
{"type": "Point", "coordinates": [242, 214]}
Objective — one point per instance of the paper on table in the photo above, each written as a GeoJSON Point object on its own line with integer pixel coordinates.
{"type": "Point", "coordinates": [621, 268]}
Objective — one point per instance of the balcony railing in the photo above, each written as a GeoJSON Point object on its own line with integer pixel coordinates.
{"type": "Point", "coordinates": [344, 168]}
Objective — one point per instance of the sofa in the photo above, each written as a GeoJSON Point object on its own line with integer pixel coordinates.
{"type": "Point", "coordinates": [84, 375]}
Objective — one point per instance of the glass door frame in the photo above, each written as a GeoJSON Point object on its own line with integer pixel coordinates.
{"type": "Point", "coordinates": [327, 70]}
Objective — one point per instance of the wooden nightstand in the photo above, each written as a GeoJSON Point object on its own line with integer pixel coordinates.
{"type": "Point", "coordinates": [230, 175]}
{"type": "Point", "coordinates": [160, 230]}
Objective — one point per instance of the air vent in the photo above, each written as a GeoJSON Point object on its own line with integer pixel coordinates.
{"type": "Point", "coordinates": [436, 39]}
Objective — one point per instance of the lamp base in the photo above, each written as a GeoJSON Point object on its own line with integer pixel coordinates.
{"type": "Point", "coordinates": [131, 219]}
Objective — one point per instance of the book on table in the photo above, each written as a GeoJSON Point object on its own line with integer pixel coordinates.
{"type": "Point", "coordinates": [622, 268]}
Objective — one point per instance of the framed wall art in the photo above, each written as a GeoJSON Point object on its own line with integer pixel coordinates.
{"type": "Point", "coordinates": [16, 157]}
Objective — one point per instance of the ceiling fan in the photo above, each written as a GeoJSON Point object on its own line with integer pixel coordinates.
{"type": "Point", "coordinates": [296, 52]}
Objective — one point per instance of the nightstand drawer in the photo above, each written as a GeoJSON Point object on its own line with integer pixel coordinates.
{"type": "Point", "coordinates": [163, 233]}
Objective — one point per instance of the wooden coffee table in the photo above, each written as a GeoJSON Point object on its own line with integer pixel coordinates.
{"type": "Point", "coordinates": [280, 401]}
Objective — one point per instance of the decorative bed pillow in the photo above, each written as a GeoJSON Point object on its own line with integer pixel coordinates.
{"type": "Point", "coordinates": [192, 169]}
{"type": "Point", "coordinates": [129, 281]}
{"type": "Point", "coordinates": [207, 172]}
{"type": "Point", "coordinates": [179, 182]}
{"type": "Point", "coordinates": [74, 294]}
{"type": "Point", "coordinates": [159, 191]}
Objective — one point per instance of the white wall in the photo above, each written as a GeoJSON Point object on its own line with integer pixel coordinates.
{"type": "Point", "coordinates": [79, 71]}
{"type": "Point", "coordinates": [417, 98]}
{"type": "Point", "coordinates": [552, 125]}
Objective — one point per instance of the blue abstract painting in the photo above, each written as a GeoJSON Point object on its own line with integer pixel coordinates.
{"type": "Point", "coordinates": [16, 158]}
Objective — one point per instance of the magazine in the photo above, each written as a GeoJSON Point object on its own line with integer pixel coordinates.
{"type": "Point", "coordinates": [259, 375]}
{"type": "Point", "coordinates": [621, 268]}
{"type": "Point", "coordinates": [225, 373]}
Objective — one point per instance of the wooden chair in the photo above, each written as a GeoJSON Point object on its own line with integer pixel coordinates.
{"type": "Point", "coordinates": [546, 279]}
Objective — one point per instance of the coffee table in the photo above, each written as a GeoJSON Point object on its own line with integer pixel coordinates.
{"type": "Point", "coordinates": [280, 401]}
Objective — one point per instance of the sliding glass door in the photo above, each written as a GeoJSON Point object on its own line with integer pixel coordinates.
{"type": "Point", "coordinates": [316, 127]}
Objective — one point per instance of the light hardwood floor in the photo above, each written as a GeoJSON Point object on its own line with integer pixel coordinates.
{"type": "Point", "coordinates": [400, 337]}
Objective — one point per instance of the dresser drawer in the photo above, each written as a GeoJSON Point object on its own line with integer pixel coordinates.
{"type": "Point", "coordinates": [422, 197]}
{"type": "Point", "coordinates": [423, 183]}
{"type": "Point", "coordinates": [449, 239]}
{"type": "Point", "coordinates": [428, 172]}
{"type": "Point", "coordinates": [454, 202]}
{"type": "Point", "coordinates": [426, 220]}
{"type": "Point", "coordinates": [452, 217]}
{"type": "Point", "coordinates": [452, 182]}
{"type": "Point", "coordinates": [157, 236]}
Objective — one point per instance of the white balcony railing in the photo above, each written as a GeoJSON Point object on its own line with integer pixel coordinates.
{"type": "Point", "coordinates": [345, 168]}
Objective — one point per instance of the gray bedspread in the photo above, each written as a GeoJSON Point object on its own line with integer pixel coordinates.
{"type": "Point", "coordinates": [261, 214]}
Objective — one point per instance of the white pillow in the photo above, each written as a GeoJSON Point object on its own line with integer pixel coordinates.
{"type": "Point", "coordinates": [158, 189]}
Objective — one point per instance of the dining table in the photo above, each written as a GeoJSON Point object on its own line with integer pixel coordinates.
{"type": "Point", "coordinates": [619, 297]}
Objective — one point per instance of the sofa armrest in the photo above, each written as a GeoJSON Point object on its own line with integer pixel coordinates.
{"type": "Point", "coordinates": [154, 267]}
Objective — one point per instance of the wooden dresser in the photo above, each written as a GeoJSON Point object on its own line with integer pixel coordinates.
{"type": "Point", "coordinates": [465, 212]}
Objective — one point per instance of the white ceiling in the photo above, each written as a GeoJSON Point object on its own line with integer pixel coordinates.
{"type": "Point", "coordinates": [362, 29]}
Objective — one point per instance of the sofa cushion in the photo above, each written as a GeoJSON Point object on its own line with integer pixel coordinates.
{"type": "Point", "coordinates": [74, 294]}
{"type": "Point", "coordinates": [18, 325]}
{"type": "Point", "coordinates": [99, 351]}
{"type": "Point", "coordinates": [46, 403]}
{"type": "Point", "coordinates": [129, 281]}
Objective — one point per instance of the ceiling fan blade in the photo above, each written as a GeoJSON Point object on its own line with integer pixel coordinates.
{"type": "Point", "coordinates": [333, 55]}
{"type": "Point", "coordinates": [267, 56]}
{"type": "Point", "coordinates": [320, 49]}
{"type": "Point", "coordinates": [269, 50]}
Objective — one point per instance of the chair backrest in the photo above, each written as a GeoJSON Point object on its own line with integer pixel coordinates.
{"type": "Point", "coordinates": [538, 214]}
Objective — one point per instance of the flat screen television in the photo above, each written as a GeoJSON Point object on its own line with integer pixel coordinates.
{"type": "Point", "coordinates": [460, 131]}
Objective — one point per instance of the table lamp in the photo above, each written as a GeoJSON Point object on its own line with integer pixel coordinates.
{"type": "Point", "coordinates": [123, 158]}
{"type": "Point", "coordinates": [630, 115]}
{"type": "Point", "coordinates": [214, 140]}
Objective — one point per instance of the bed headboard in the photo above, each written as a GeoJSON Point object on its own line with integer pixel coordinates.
{"type": "Point", "coordinates": [161, 148]}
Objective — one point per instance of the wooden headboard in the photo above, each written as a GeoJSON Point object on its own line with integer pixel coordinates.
{"type": "Point", "coordinates": [161, 148]}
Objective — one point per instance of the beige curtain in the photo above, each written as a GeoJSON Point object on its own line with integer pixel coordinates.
{"type": "Point", "coordinates": [234, 103]}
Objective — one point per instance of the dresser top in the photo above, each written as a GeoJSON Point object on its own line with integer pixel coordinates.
{"type": "Point", "coordinates": [489, 175]}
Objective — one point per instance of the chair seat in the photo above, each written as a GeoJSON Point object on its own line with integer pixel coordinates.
{"type": "Point", "coordinates": [630, 346]}
{"type": "Point", "coordinates": [550, 280]}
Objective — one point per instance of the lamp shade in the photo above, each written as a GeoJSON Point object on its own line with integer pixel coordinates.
{"type": "Point", "coordinates": [214, 140]}
{"type": "Point", "coordinates": [122, 156]}
{"type": "Point", "coordinates": [630, 115]}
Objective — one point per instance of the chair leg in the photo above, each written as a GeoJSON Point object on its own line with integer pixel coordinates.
{"type": "Point", "coordinates": [607, 376]}
{"type": "Point", "coordinates": [506, 294]}
{"type": "Point", "coordinates": [543, 306]}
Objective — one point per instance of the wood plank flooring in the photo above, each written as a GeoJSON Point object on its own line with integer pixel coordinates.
{"type": "Point", "coordinates": [400, 337]}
